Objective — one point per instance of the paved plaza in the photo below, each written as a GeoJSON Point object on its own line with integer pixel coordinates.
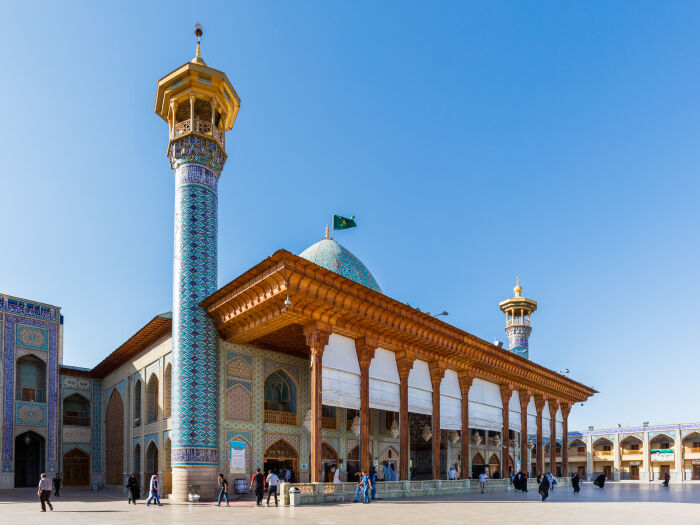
{"type": "Point", "coordinates": [616, 503]}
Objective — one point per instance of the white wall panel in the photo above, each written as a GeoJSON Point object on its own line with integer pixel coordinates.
{"type": "Point", "coordinates": [383, 366]}
{"type": "Point", "coordinates": [450, 385]}
{"type": "Point", "coordinates": [450, 413]}
{"type": "Point", "coordinates": [340, 354]}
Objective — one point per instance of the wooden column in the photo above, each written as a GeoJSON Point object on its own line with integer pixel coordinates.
{"type": "Point", "coordinates": [365, 348]}
{"type": "Point", "coordinates": [506, 393]}
{"type": "Point", "coordinates": [404, 363]}
{"type": "Point", "coordinates": [317, 339]}
{"type": "Point", "coordinates": [437, 372]}
{"type": "Point", "coordinates": [524, 401]}
{"type": "Point", "coordinates": [553, 407]}
{"type": "Point", "coordinates": [539, 406]}
{"type": "Point", "coordinates": [465, 382]}
{"type": "Point", "coordinates": [565, 409]}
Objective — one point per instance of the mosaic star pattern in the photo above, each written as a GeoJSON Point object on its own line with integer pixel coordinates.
{"type": "Point", "coordinates": [195, 426]}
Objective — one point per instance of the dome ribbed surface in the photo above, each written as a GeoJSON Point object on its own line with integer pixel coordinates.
{"type": "Point", "coordinates": [334, 257]}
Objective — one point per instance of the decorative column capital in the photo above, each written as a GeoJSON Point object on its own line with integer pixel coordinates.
{"type": "Point", "coordinates": [539, 403]}
{"type": "Point", "coordinates": [437, 372]}
{"type": "Point", "coordinates": [506, 393]}
{"type": "Point", "coordinates": [365, 347]}
{"type": "Point", "coordinates": [317, 335]}
{"type": "Point", "coordinates": [404, 363]}
{"type": "Point", "coordinates": [525, 396]}
{"type": "Point", "coordinates": [466, 378]}
{"type": "Point", "coordinates": [553, 407]}
{"type": "Point", "coordinates": [565, 410]}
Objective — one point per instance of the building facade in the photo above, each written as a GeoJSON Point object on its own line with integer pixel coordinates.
{"type": "Point", "coordinates": [641, 454]}
{"type": "Point", "coordinates": [301, 362]}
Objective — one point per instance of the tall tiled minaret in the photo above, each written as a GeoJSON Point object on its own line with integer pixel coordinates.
{"type": "Point", "coordinates": [518, 312]}
{"type": "Point", "coordinates": [200, 105]}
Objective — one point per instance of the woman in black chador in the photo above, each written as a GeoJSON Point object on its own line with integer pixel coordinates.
{"type": "Point", "coordinates": [575, 480]}
{"type": "Point", "coordinates": [132, 485]}
{"type": "Point", "coordinates": [544, 486]}
{"type": "Point", "coordinates": [600, 481]}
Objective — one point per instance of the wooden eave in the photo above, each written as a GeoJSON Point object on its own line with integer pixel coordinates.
{"type": "Point", "coordinates": [152, 332]}
{"type": "Point", "coordinates": [74, 372]}
{"type": "Point", "coordinates": [252, 306]}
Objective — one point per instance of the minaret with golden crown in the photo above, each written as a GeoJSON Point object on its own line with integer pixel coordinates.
{"type": "Point", "coordinates": [518, 312]}
{"type": "Point", "coordinates": [200, 106]}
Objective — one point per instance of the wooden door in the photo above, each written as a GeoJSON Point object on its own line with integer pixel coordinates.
{"type": "Point", "coordinates": [606, 471]}
{"type": "Point", "coordinates": [696, 472]}
{"type": "Point", "coordinates": [634, 472]}
{"type": "Point", "coordinates": [76, 468]}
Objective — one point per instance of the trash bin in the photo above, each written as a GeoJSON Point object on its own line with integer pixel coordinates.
{"type": "Point", "coordinates": [294, 497]}
{"type": "Point", "coordinates": [95, 485]}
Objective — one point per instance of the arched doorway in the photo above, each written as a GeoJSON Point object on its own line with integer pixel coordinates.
{"type": "Point", "coordinates": [151, 461]}
{"type": "Point", "coordinates": [167, 481]}
{"type": "Point", "coordinates": [281, 455]}
{"type": "Point", "coordinates": [329, 459]}
{"type": "Point", "coordinates": [76, 467]}
{"type": "Point", "coordinates": [114, 440]}
{"type": "Point", "coordinates": [29, 459]}
{"type": "Point", "coordinates": [354, 462]}
{"type": "Point", "coordinates": [478, 465]}
{"type": "Point", "coordinates": [494, 466]}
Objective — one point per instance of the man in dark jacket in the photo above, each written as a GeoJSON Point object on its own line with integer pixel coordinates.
{"type": "Point", "coordinates": [257, 484]}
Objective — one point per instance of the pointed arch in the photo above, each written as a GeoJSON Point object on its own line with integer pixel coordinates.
{"type": "Point", "coordinates": [238, 367]}
{"type": "Point", "coordinates": [631, 440]}
{"type": "Point", "coordinates": [137, 403]}
{"type": "Point", "coordinates": [692, 437]}
{"type": "Point", "coordinates": [76, 411]}
{"type": "Point", "coordinates": [151, 459]}
{"type": "Point", "coordinates": [478, 459]}
{"type": "Point", "coordinates": [167, 390]}
{"type": "Point", "coordinates": [114, 439]}
{"type": "Point", "coordinates": [239, 403]}
{"type": "Point", "coordinates": [328, 452]}
{"type": "Point", "coordinates": [152, 399]}
{"type": "Point", "coordinates": [76, 467]}
{"type": "Point", "coordinates": [281, 449]}
{"type": "Point", "coordinates": [603, 441]}
{"type": "Point", "coordinates": [576, 443]}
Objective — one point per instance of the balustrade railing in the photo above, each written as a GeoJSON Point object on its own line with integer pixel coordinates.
{"type": "Point", "coordinates": [329, 423]}
{"type": "Point", "coordinates": [280, 418]}
{"type": "Point", "coordinates": [200, 126]}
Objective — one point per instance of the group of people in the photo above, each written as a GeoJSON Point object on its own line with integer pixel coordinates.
{"type": "Point", "coordinates": [367, 485]}
{"type": "Point", "coordinates": [258, 483]}
{"type": "Point", "coordinates": [519, 481]}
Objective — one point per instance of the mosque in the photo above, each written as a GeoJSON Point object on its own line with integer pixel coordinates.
{"type": "Point", "coordinates": [301, 362]}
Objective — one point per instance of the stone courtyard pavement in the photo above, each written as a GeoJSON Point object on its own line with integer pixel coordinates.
{"type": "Point", "coordinates": [617, 503]}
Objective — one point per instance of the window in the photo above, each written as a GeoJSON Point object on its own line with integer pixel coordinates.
{"type": "Point", "coordinates": [152, 399]}
{"type": "Point", "coordinates": [280, 393]}
{"type": "Point", "coordinates": [634, 447]}
{"type": "Point", "coordinates": [606, 448]}
{"type": "Point", "coordinates": [581, 450]}
{"type": "Point", "coordinates": [696, 444]}
{"type": "Point", "coordinates": [31, 379]}
{"type": "Point", "coordinates": [167, 385]}
{"type": "Point", "coordinates": [137, 404]}
{"type": "Point", "coordinates": [76, 411]}
{"type": "Point", "coordinates": [665, 445]}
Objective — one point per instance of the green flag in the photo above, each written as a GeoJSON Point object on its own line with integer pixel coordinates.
{"type": "Point", "coordinates": [343, 223]}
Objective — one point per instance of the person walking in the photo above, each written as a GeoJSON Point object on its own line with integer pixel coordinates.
{"type": "Point", "coordinates": [57, 484]}
{"type": "Point", "coordinates": [452, 474]}
{"type": "Point", "coordinates": [373, 479]}
{"type": "Point", "coordinates": [132, 485]}
{"type": "Point", "coordinates": [223, 490]}
{"type": "Point", "coordinates": [543, 481]}
{"type": "Point", "coordinates": [667, 478]}
{"type": "Point", "coordinates": [273, 482]}
{"type": "Point", "coordinates": [257, 484]}
{"type": "Point", "coordinates": [575, 482]}
{"type": "Point", "coordinates": [358, 488]}
{"type": "Point", "coordinates": [482, 481]}
{"type": "Point", "coordinates": [366, 483]}
{"type": "Point", "coordinates": [45, 485]}
{"type": "Point", "coordinates": [154, 490]}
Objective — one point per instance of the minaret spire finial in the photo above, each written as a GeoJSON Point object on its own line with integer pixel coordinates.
{"type": "Point", "coordinates": [328, 232]}
{"type": "Point", "coordinates": [198, 33]}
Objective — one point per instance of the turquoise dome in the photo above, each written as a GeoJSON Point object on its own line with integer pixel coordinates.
{"type": "Point", "coordinates": [334, 257]}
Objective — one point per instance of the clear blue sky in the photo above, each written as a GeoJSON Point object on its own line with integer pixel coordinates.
{"type": "Point", "coordinates": [558, 141]}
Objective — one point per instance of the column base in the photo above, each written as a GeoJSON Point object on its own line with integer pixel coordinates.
{"type": "Point", "coordinates": [204, 476]}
